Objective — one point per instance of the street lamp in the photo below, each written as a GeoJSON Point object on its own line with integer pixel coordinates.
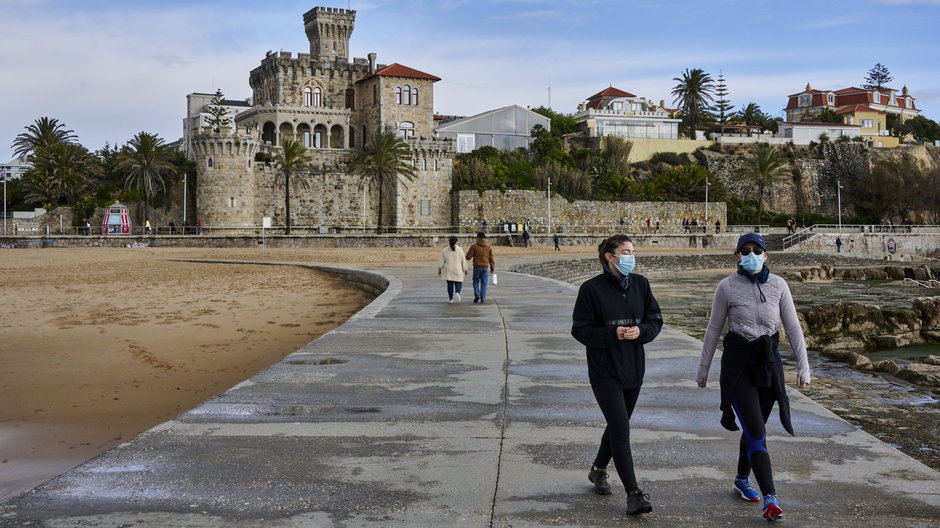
{"type": "Point", "coordinates": [706, 203]}
{"type": "Point", "coordinates": [4, 204]}
{"type": "Point", "coordinates": [184, 202]}
{"type": "Point", "coordinates": [549, 206]}
{"type": "Point", "coordinates": [839, 201]}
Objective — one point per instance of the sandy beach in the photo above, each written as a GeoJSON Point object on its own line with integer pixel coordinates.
{"type": "Point", "coordinates": [98, 345]}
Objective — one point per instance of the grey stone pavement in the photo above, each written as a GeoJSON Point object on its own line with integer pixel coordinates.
{"type": "Point", "coordinates": [421, 413]}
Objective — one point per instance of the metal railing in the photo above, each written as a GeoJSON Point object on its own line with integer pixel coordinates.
{"type": "Point", "coordinates": [915, 283]}
{"type": "Point", "coordinates": [847, 229]}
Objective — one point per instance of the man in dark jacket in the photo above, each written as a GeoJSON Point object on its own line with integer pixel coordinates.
{"type": "Point", "coordinates": [614, 316]}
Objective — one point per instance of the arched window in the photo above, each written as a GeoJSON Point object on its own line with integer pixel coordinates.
{"type": "Point", "coordinates": [317, 97]}
{"type": "Point", "coordinates": [308, 96]}
{"type": "Point", "coordinates": [406, 129]}
{"type": "Point", "coordinates": [209, 163]}
{"type": "Point", "coordinates": [398, 95]}
{"type": "Point", "coordinates": [414, 96]}
{"type": "Point", "coordinates": [406, 95]}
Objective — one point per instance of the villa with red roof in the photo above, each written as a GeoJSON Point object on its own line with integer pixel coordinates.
{"type": "Point", "coordinates": [868, 109]}
{"type": "Point", "coordinates": [614, 112]}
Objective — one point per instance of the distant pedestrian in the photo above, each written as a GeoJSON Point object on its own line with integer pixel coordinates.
{"type": "Point", "coordinates": [87, 227]}
{"type": "Point", "coordinates": [485, 225]}
{"type": "Point", "coordinates": [648, 224]}
{"type": "Point", "coordinates": [555, 240]}
{"type": "Point", "coordinates": [685, 225]}
{"type": "Point", "coordinates": [185, 227]}
{"type": "Point", "coordinates": [705, 226]}
{"type": "Point", "coordinates": [172, 226]}
{"type": "Point", "coordinates": [838, 245]}
{"type": "Point", "coordinates": [147, 227]}
{"type": "Point", "coordinates": [615, 314]}
{"type": "Point", "coordinates": [525, 237]}
{"type": "Point", "coordinates": [198, 227]}
{"type": "Point", "coordinates": [481, 254]}
{"type": "Point", "coordinates": [452, 267]}
{"type": "Point", "coordinates": [717, 227]}
{"type": "Point", "coordinates": [622, 223]}
{"type": "Point", "coordinates": [755, 303]}
{"type": "Point", "coordinates": [657, 227]}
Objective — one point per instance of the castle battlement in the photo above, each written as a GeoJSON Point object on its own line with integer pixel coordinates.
{"type": "Point", "coordinates": [432, 147]}
{"type": "Point", "coordinates": [207, 133]}
{"type": "Point", "coordinates": [331, 10]}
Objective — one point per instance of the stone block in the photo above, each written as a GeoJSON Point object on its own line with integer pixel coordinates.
{"type": "Point", "coordinates": [875, 274]}
{"type": "Point", "coordinates": [931, 360]}
{"type": "Point", "coordinates": [901, 320]}
{"type": "Point", "coordinates": [886, 365]}
{"type": "Point", "coordinates": [929, 309]}
{"type": "Point", "coordinates": [862, 318]}
{"type": "Point", "coordinates": [894, 272]}
{"type": "Point", "coordinates": [824, 319]}
{"type": "Point", "coordinates": [887, 342]}
{"type": "Point", "coordinates": [921, 374]}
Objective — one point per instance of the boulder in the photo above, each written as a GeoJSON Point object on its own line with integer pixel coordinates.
{"type": "Point", "coordinates": [886, 365]}
{"type": "Point", "coordinates": [823, 319]}
{"type": "Point", "coordinates": [901, 320]}
{"type": "Point", "coordinates": [921, 374]}
{"type": "Point", "coordinates": [886, 342]}
{"type": "Point", "coordinates": [876, 274]}
{"type": "Point", "coordinates": [929, 309]}
{"type": "Point", "coordinates": [862, 318]}
{"type": "Point", "coordinates": [931, 360]}
{"type": "Point", "coordinates": [932, 336]}
{"type": "Point", "coordinates": [894, 272]}
{"type": "Point", "coordinates": [922, 273]}
{"type": "Point", "coordinates": [859, 361]}
{"type": "Point", "coordinates": [853, 274]}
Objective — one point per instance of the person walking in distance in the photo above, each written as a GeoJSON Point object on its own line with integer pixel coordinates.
{"type": "Point", "coordinates": [838, 244]}
{"type": "Point", "coordinates": [754, 302]}
{"type": "Point", "coordinates": [555, 240]}
{"type": "Point", "coordinates": [481, 254]}
{"type": "Point", "coordinates": [615, 314]}
{"type": "Point", "coordinates": [452, 267]}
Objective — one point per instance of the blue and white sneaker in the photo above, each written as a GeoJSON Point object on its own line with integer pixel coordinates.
{"type": "Point", "coordinates": [744, 487]}
{"type": "Point", "coordinates": [772, 511]}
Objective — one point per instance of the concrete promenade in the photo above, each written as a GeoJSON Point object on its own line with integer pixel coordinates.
{"type": "Point", "coordinates": [421, 413]}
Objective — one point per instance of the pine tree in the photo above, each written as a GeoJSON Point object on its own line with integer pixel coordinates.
{"type": "Point", "coordinates": [218, 112]}
{"type": "Point", "coordinates": [877, 77]}
{"type": "Point", "coordinates": [722, 106]}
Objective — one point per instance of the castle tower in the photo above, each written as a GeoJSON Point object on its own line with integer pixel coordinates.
{"type": "Point", "coordinates": [225, 171]}
{"type": "Point", "coordinates": [329, 29]}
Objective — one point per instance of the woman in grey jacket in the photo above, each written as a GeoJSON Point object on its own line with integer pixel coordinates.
{"type": "Point", "coordinates": [755, 302]}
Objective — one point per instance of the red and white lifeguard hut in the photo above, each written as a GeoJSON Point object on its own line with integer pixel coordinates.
{"type": "Point", "coordinates": [116, 220]}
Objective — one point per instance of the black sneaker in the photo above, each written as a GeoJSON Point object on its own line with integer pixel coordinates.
{"type": "Point", "coordinates": [476, 298]}
{"type": "Point", "coordinates": [638, 502]}
{"type": "Point", "coordinates": [599, 478]}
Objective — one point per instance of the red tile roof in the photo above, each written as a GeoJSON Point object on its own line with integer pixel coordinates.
{"type": "Point", "coordinates": [400, 70]}
{"type": "Point", "coordinates": [859, 108]}
{"type": "Point", "coordinates": [611, 92]}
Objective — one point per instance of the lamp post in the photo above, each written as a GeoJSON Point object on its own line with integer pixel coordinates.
{"type": "Point", "coordinates": [184, 201]}
{"type": "Point", "coordinates": [706, 203]}
{"type": "Point", "coordinates": [4, 204]}
{"type": "Point", "coordinates": [839, 201]}
{"type": "Point", "coordinates": [549, 206]}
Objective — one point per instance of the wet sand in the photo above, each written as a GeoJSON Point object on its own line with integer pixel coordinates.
{"type": "Point", "coordinates": [99, 345]}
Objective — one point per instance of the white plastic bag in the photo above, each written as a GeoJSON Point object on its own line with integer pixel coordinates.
{"type": "Point", "coordinates": [493, 279]}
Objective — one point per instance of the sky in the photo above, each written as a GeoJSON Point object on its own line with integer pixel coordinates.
{"type": "Point", "coordinates": [110, 69]}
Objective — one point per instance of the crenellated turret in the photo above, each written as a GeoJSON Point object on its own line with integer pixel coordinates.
{"type": "Point", "coordinates": [225, 194]}
{"type": "Point", "coordinates": [329, 29]}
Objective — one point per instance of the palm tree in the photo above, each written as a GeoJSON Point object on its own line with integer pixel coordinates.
{"type": "Point", "coordinates": [693, 93]}
{"type": "Point", "coordinates": [766, 166]}
{"type": "Point", "coordinates": [44, 132]}
{"type": "Point", "coordinates": [60, 171]}
{"type": "Point", "coordinates": [147, 162]}
{"type": "Point", "coordinates": [386, 156]}
{"type": "Point", "coordinates": [289, 160]}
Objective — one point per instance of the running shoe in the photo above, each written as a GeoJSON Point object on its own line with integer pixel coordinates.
{"type": "Point", "coordinates": [599, 478]}
{"type": "Point", "coordinates": [772, 511]}
{"type": "Point", "coordinates": [638, 502]}
{"type": "Point", "coordinates": [745, 489]}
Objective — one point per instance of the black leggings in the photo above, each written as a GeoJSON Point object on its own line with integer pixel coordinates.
{"type": "Point", "coordinates": [753, 405]}
{"type": "Point", "coordinates": [617, 406]}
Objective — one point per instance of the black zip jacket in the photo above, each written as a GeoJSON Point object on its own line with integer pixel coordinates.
{"type": "Point", "coordinates": [601, 307]}
{"type": "Point", "coordinates": [763, 357]}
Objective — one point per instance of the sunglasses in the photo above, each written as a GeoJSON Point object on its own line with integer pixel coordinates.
{"type": "Point", "coordinates": [747, 251]}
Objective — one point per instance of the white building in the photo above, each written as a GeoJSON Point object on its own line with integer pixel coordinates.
{"type": "Point", "coordinates": [507, 128]}
{"type": "Point", "coordinates": [197, 116]}
{"type": "Point", "coordinates": [614, 112]}
{"type": "Point", "coordinates": [14, 169]}
{"type": "Point", "coordinates": [804, 132]}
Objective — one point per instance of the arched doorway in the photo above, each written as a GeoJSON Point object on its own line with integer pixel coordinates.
{"type": "Point", "coordinates": [286, 131]}
{"type": "Point", "coordinates": [269, 133]}
{"type": "Point", "coordinates": [337, 137]}
{"type": "Point", "coordinates": [319, 136]}
{"type": "Point", "coordinates": [304, 135]}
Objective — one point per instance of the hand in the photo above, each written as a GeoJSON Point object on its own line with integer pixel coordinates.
{"type": "Point", "coordinates": [703, 383]}
{"type": "Point", "coordinates": [801, 384]}
{"type": "Point", "coordinates": [628, 333]}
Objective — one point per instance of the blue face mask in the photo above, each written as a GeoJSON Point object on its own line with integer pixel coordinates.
{"type": "Point", "coordinates": [753, 262]}
{"type": "Point", "coordinates": [626, 264]}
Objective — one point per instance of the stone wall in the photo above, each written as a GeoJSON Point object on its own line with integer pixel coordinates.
{"type": "Point", "coordinates": [908, 246]}
{"type": "Point", "coordinates": [580, 215]}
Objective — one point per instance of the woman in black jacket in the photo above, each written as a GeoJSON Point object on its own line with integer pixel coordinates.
{"type": "Point", "coordinates": [614, 316]}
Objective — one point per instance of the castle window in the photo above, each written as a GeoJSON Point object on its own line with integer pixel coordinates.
{"type": "Point", "coordinates": [209, 162]}
{"type": "Point", "coordinates": [406, 95]}
{"type": "Point", "coordinates": [398, 95]}
{"type": "Point", "coordinates": [437, 165]}
{"type": "Point", "coordinates": [231, 202]}
{"type": "Point", "coordinates": [375, 94]}
{"type": "Point", "coordinates": [317, 97]}
{"type": "Point", "coordinates": [308, 96]}
{"type": "Point", "coordinates": [406, 129]}
{"type": "Point", "coordinates": [307, 138]}
{"type": "Point", "coordinates": [414, 96]}
{"type": "Point", "coordinates": [425, 207]}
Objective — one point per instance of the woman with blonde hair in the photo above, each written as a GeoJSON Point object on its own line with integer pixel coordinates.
{"type": "Point", "coordinates": [452, 267]}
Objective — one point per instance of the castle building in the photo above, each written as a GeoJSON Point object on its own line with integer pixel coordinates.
{"type": "Point", "coordinates": [332, 105]}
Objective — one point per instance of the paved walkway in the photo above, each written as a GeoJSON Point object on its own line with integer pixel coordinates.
{"type": "Point", "coordinates": [421, 413]}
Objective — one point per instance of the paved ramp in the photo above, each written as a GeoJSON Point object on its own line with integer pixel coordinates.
{"type": "Point", "coordinates": [421, 413]}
